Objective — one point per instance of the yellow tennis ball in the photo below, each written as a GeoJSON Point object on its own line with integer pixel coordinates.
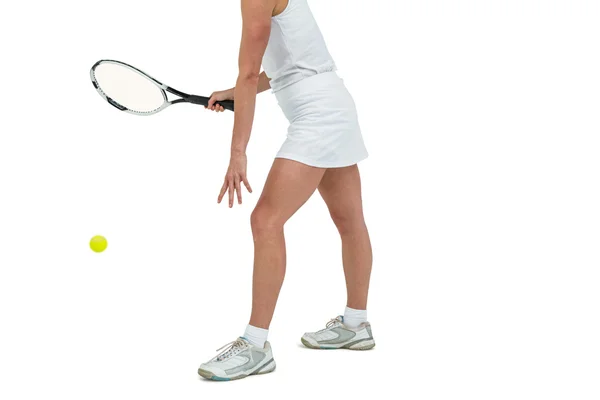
{"type": "Point", "coordinates": [98, 244]}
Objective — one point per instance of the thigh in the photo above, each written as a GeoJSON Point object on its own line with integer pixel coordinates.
{"type": "Point", "coordinates": [289, 185]}
{"type": "Point", "coordinates": [340, 188]}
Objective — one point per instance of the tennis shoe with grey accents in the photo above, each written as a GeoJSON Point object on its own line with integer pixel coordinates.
{"type": "Point", "coordinates": [239, 360]}
{"type": "Point", "coordinates": [339, 336]}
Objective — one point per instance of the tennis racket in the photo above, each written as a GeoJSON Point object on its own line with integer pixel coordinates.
{"type": "Point", "coordinates": [133, 91]}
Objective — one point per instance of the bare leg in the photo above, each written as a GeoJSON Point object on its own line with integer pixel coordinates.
{"type": "Point", "coordinates": [289, 185]}
{"type": "Point", "coordinates": [341, 190]}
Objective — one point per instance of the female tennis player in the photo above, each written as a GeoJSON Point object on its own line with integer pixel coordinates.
{"type": "Point", "coordinates": [322, 149]}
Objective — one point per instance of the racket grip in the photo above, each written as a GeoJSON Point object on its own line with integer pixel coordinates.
{"type": "Point", "coordinates": [203, 101]}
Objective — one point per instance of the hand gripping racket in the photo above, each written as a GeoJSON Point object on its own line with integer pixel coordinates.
{"type": "Point", "coordinates": [133, 91]}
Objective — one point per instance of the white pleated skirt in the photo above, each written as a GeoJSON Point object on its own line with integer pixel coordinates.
{"type": "Point", "coordinates": [324, 130]}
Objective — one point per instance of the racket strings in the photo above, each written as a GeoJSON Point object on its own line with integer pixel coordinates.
{"type": "Point", "coordinates": [128, 88]}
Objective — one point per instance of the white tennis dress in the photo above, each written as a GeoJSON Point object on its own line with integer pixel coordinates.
{"type": "Point", "coordinates": [324, 130]}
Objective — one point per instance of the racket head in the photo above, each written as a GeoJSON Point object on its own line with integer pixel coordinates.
{"type": "Point", "coordinates": [128, 88]}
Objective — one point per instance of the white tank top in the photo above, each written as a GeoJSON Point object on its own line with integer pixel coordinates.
{"type": "Point", "coordinates": [296, 48]}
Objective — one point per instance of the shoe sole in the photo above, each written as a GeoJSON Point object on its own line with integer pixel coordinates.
{"type": "Point", "coordinates": [366, 344]}
{"type": "Point", "coordinates": [265, 369]}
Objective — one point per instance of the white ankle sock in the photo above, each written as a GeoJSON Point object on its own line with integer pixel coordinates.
{"type": "Point", "coordinates": [256, 336]}
{"type": "Point", "coordinates": [353, 318]}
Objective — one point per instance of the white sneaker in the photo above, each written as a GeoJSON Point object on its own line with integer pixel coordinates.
{"type": "Point", "coordinates": [239, 360]}
{"type": "Point", "coordinates": [338, 336]}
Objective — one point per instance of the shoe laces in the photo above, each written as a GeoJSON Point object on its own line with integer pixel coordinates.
{"type": "Point", "coordinates": [234, 348]}
{"type": "Point", "coordinates": [332, 322]}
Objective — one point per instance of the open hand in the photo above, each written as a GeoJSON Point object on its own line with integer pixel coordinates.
{"type": "Point", "coordinates": [236, 174]}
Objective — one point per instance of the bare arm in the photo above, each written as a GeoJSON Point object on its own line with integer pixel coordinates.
{"type": "Point", "coordinates": [256, 17]}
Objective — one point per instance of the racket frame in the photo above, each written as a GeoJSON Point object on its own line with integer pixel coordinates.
{"type": "Point", "coordinates": [184, 97]}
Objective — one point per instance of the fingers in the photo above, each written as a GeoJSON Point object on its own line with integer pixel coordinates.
{"type": "Point", "coordinates": [213, 105]}
{"type": "Point", "coordinates": [247, 184]}
{"type": "Point", "coordinates": [230, 187]}
{"type": "Point", "coordinates": [233, 186]}
{"type": "Point", "coordinates": [223, 190]}
{"type": "Point", "coordinates": [211, 101]}
{"type": "Point", "coordinates": [238, 189]}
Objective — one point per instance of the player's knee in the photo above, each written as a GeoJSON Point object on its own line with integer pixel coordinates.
{"type": "Point", "coordinates": [263, 221]}
{"type": "Point", "coordinates": [347, 222]}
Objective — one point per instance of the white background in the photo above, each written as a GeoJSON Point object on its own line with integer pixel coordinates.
{"type": "Point", "coordinates": [481, 194]}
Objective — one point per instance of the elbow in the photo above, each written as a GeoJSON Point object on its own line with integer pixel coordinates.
{"type": "Point", "coordinates": [249, 77]}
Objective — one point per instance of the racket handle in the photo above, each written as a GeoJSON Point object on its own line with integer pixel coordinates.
{"type": "Point", "coordinates": [203, 101]}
